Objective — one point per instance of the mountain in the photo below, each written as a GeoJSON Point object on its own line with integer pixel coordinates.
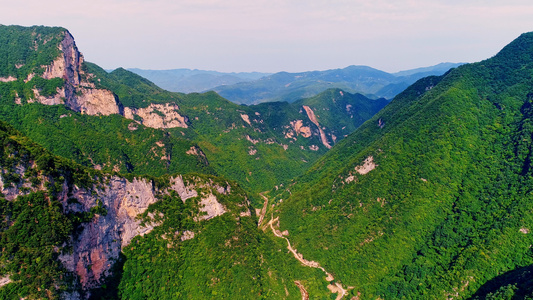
{"type": "Point", "coordinates": [66, 229]}
{"type": "Point", "coordinates": [201, 132]}
{"type": "Point", "coordinates": [54, 74]}
{"type": "Point", "coordinates": [438, 69]}
{"type": "Point", "coordinates": [113, 188]}
{"type": "Point", "coordinates": [136, 207]}
{"type": "Point", "coordinates": [258, 146]}
{"type": "Point", "coordinates": [432, 197]}
{"type": "Point", "coordinates": [290, 87]}
{"type": "Point", "coordinates": [193, 81]}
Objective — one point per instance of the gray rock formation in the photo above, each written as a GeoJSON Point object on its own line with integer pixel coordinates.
{"type": "Point", "coordinates": [78, 93]}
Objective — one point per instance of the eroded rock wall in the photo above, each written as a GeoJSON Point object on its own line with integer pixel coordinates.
{"type": "Point", "coordinates": [158, 116]}
{"type": "Point", "coordinates": [78, 93]}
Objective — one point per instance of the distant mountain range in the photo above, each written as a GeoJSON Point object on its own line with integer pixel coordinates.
{"type": "Point", "coordinates": [290, 87]}
{"type": "Point", "coordinates": [192, 81]}
{"type": "Point", "coordinates": [255, 87]}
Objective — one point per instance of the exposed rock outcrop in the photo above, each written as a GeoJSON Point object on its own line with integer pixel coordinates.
{"type": "Point", "coordinates": [298, 127]}
{"type": "Point", "coordinates": [78, 93]}
{"type": "Point", "coordinates": [211, 207]}
{"type": "Point", "coordinates": [101, 240]}
{"type": "Point", "coordinates": [95, 102]}
{"type": "Point", "coordinates": [187, 235]}
{"type": "Point", "coordinates": [98, 242]}
{"type": "Point", "coordinates": [367, 166]}
{"type": "Point", "coordinates": [312, 118]}
{"type": "Point", "coordinates": [185, 192]}
{"type": "Point", "coordinates": [158, 116]}
{"type": "Point", "coordinates": [7, 79]}
{"type": "Point", "coordinates": [58, 98]}
{"type": "Point", "coordinates": [246, 119]}
{"type": "Point", "coordinates": [5, 280]}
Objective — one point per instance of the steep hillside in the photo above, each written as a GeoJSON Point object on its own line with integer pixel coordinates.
{"type": "Point", "coordinates": [290, 87]}
{"type": "Point", "coordinates": [432, 197]}
{"type": "Point", "coordinates": [341, 112]}
{"type": "Point", "coordinates": [261, 146]}
{"type": "Point", "coordinates": [109, 143]}
{"type": "Point", "coordinates": [64, 228]}
{"type": "Point", "coordinates": [253, 145]}
{"type": "Point", "coordinates": [70, 232]}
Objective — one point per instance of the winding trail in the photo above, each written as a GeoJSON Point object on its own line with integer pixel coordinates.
{"type": "Point", "coordinates": [334, 288]}
{"type": "Point", "coordinates": [303, 291]}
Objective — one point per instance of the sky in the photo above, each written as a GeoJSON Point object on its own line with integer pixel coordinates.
{"type": "Point", "coordinates": [279, 35]}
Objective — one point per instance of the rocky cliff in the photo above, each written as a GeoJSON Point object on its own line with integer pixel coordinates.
{"type": "Point", "coordinates": [106, 211]}
{"type": "Point", "coordinates": [77, 93]}
{"type": "Point", "coordinates": [158, 116]}
{"type": "Point", "coordinates": [100, 241]}
{"type": "Point", "coordinates": [81, 90]}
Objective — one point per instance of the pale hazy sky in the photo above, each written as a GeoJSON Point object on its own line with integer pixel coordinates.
{"type": "Point", "coordinates": [279, 35]}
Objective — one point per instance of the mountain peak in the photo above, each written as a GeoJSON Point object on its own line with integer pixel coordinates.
{"type": "Point", "coordinates": [518, 52]}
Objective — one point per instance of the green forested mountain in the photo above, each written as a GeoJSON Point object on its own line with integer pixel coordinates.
{"type": "Point", "coordinates": [113, 188]}
{"type": "Point", "coordinates": [432, 197]}
{"type": "Point", "coordinates": [71, 231]}
{"type": "Point", "coordinates": [109, 143]}
{"type": "Point", "coordinates": [257, 146]}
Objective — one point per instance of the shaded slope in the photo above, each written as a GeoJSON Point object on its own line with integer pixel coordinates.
{"type": "Point", "coordinates": [430, 197]}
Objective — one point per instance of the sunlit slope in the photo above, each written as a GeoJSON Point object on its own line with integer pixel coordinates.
{"type": "Point", "coordinates": [431, 197]}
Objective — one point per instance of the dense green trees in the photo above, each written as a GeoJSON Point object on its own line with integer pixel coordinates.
{"type": "Point", "coordinates": [431, 198]}
{"type": "Point", "coordinates": [446, 207]}
{"type": "Point", "coordinates": [25, 49]}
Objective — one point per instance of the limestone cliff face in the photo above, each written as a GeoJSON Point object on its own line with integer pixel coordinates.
{"type": "Point", "coordinates": [100, 242]}
{"type": "Point", "coordinates": [158, 116]}
{"type": "Point", "coordinates": [313, 119]}
{"type": "Point", "coordinates": [96, 245]}
{"type": "Point", "coordinates": [77, 93]}
{"type": "Point", "coordinates": [68, 64]}
{"type": "Point", "coordinates": [80, 94]}
{"type": "Point", "coordinates": [96, 102]}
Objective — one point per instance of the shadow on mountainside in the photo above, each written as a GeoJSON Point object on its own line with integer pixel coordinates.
{"type": "Point", "coordinates": [515, 284]}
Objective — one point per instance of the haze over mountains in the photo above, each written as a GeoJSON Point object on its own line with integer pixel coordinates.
{"type": "Point", "coordinates": [253, 88]}
{"type": "Point", "coordinates": [114, 188]}
{"type": "Point", "coordinates": [194, 81]}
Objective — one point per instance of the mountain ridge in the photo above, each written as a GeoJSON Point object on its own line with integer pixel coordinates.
{"type": "Point", "coordinates": [231, 137]}
{"type": "Point", "coordinates": [285, 86]}
{"type": "Point", "coordinates": [194, 80]}
{"type": "Point", "coordinates": [430, 197]}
